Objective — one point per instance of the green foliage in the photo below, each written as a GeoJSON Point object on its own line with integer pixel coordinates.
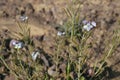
{"type": "Point", "coordinates": [24, 31]}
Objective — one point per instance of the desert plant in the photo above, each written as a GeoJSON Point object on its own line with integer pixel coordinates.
{"type": "Point", "coordinates": [71, 57]}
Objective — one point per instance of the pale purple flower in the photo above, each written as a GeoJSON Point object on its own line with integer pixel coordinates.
{"type": "Point", "coordinates": [13, 42]}
{"type": "Point", "coordinates": [93, 23]}
{"type": "Point", "coordinates": [84, 22]}
{"type": "Point", "coordinates": [88, 25]}
{"type": "Point", "coordinates": [16, 44]}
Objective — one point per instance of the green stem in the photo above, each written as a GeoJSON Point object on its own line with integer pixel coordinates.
{"type": "Point", "coordinates": [8, 67]}
{"type": "Point", "coordinates": [104, 59]}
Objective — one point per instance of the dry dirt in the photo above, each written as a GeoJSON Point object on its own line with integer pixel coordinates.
{"type": "Point", "coordinates": [45, 15]}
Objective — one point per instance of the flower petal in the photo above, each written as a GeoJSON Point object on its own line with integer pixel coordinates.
{"type": "Point", "coordinates": [19, 45]}
{"type": "Point", "coordinates": [23, 18]}
{"type": "Point", "coordinates": [87, 27]}
{"type": "Point", "coordinates": [35, 55]}
{"type": "Point", "coordinates": [60, 33]}
{"type": "Point", "coordinates": [84, 22]}
{"type": "Point", "coordinates": [93, 23]}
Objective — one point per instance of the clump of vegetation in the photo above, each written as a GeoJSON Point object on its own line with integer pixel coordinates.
{"type": "Point", "coordinates": [71, 59]}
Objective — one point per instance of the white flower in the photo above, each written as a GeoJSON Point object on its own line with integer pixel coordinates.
{"type": "Point", "coordinates": [89, 25]}
{"type": "Point", "coordinates": [23, 18]}
{"type": "Point", "coordinates": [60, 33]}
{"type": "Point", "coordinates": [86, 27]}
{"type": "Point", "coordinates": [35, 55]}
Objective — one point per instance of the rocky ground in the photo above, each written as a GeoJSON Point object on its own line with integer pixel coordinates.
{"type": "Point", "coordinates": [45, 15]}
